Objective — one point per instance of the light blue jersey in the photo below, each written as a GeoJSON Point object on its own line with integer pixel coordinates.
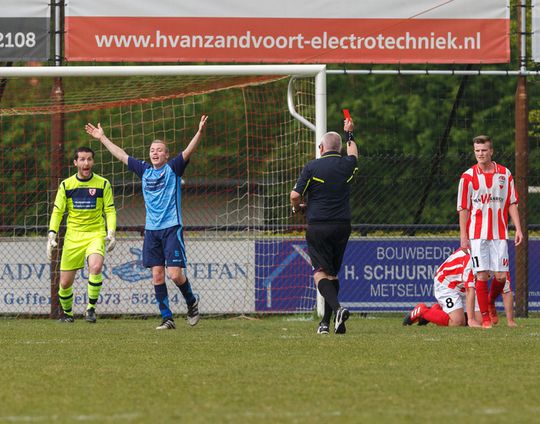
{"type": "Point", "coordinates": [161, 191]}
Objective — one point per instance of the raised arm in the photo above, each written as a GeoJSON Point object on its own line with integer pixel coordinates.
{"type": "Point", "coordinates": [98, 133]}
{"type": "Point", "coordinates": [348, 127]}
{"type": "Point", "coordinates": [188, 151]}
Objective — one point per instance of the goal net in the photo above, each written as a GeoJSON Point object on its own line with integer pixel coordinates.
{"type": "Point", "coordinates": [246, 253]}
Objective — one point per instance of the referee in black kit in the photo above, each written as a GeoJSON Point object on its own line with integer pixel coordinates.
{"type": "Point", "coordinates": [323, 190]}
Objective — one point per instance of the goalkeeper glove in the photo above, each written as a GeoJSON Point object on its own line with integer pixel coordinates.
{"type": "Point", "coordinates": [51, 244]}
{"type": "Point", "coordinates": [110, 240]}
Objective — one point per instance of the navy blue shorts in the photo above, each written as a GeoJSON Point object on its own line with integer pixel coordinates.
{"type": "Point", "coordinates": [164, 247]}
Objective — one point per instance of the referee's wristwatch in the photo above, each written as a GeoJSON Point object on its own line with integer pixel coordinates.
{"type": "Point", "coordinates": [349, 136]}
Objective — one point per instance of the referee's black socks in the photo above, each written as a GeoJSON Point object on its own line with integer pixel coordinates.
{"type": "Point", "coordinates": [327, 313]}
{"type": "Point", "coordinates": [327, 289]}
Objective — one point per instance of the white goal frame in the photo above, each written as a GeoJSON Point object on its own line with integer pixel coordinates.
{"type": "Point", "coordinates": [318, 72]}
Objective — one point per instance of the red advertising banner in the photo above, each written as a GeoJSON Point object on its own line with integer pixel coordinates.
{"type": "Point", "coordinates": [452, 34]}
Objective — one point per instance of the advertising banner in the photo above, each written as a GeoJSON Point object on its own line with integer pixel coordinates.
{"type": "Point", "coordinates": [369, 31]}
{"type": "Point", "coordinates": [24, 30]}
{"type": "Point", "coordinates": [377, 274]}
{"type": "Point", "coordinates": [225, 281]}
{"type": "Point", "coordinates": [283, 276]}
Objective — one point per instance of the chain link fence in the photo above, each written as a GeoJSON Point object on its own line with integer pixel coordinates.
{"type": "Point", "coordinates": [246, 251]}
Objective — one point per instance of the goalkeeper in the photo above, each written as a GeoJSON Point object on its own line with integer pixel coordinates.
{"type": "Point", "coordinates": [87, 197]}
{"type": "Point", "coordinates": [163, 235]}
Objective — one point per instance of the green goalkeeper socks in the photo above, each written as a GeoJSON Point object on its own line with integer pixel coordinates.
{"type": "Point", "coordinates": [94, 287]}
{"type": "Point", "coordinates": [66, 300]}
{"type": "Point", "coordinates": [95, 282]}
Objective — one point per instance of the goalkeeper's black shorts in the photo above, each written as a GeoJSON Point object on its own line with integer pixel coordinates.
{"type": "Point", "coordinates": [326, 245]}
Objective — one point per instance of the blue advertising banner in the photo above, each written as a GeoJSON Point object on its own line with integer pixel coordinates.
{"type": "Point", "coordinates": [391, 275]}
{"type": "Point", "coordinates": [377, 275]}
{"type": "Point", "coordinates": [283, 280]}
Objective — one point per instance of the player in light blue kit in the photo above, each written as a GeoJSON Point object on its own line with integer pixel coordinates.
{"type": "Point", "coordinates": [163, 235]}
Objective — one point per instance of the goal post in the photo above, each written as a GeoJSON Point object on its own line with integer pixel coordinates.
{"type": "Point", "coordinates": [245, 251]}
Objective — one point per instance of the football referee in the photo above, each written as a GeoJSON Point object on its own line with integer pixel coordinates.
{"type": "Point", "coordinates": [322, 190]}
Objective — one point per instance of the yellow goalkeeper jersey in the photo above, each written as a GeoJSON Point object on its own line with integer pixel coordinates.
{"type": "Point", "coordinates": [86, 202]}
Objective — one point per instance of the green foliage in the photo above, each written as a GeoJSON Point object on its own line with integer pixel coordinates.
{"type": "Point", "coordinates": [400, 123]}
{"type": "Point", "coordinates": [408, 170]}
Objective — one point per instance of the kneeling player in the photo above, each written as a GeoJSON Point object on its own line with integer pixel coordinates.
{"type": "Point", "coordinates": [449, 286]}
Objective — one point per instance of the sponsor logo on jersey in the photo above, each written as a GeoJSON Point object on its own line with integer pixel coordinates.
{"type": "Point", "coordinates": [487, 198]}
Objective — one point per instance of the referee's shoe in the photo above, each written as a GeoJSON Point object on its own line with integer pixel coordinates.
{"type": "Point", "coordinates": [342, 315]}
{"type": "Point", "coordinates": [324, 328]}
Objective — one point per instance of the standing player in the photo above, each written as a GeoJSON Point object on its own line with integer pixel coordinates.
{"type": "Point", "coordinates": [449, 287]}
{"type": "Point", "coordinates": [86, 197]}
{"type": "Point", "coordinates": [164, 235]}
{"type": "Point", "coordinates": [486, 197]}
{"type": "Point", "coordinates": [325, 182]}
{"type": "Point", "coordinates": [508, 302]}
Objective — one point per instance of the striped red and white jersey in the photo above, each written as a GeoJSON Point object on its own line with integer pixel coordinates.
{"type": "Point", "coordinates": [487, 197]}
{"type": "Point", "coordinates": [456, 271]}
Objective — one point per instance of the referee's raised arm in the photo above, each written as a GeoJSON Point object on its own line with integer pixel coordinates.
{"type": "Point", "coordinates": [348, 127]}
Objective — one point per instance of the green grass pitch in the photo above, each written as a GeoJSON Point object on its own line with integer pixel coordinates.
{"type": "Point", "coordinates": [269, 370]}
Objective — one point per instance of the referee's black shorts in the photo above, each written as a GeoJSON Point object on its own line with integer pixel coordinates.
{"type": "Point", "coordinates": [326, 245]}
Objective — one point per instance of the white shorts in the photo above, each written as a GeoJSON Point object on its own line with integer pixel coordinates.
{"type": "Point", "coordinates": [449, 299]}
{"type": "Point", "coordinates": [489, 255]}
